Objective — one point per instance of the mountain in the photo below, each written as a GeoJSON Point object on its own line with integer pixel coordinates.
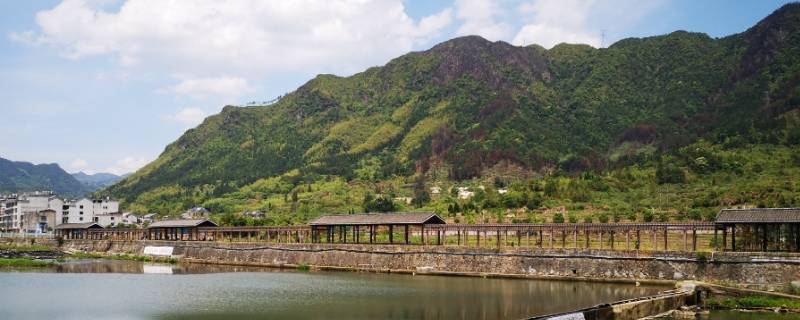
{"type": "Point", "coordinates": [644, 113]}
{"type": "Point", "coordinates": [18, 176]}
{"type": "Point", "coordinates": [97, 181]}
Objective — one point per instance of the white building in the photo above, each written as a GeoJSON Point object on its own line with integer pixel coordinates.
{"type": "Point", "coordinates": [86, 210]}
{"type": "Point", "coordinates": [14, 207]}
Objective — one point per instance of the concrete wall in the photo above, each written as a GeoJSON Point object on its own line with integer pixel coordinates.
{"type": "Point", "coordinates": [757, 270]}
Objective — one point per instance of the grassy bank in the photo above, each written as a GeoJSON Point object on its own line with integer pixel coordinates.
{"type": "Point", "coordinates": [24, 247]}
{"type": "Point", "coordinates": [751, 302]}
{"type": "Point", "coordinates": [126, 257]}
{"type": "Point", "coordinates": [24, 263]}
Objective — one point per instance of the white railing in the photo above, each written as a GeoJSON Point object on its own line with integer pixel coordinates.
{"type": "Point", "coordinates": [25, 235]}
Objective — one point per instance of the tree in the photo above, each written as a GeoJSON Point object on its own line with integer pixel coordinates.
{"type": "Point", "coordinates": [379, 204]}
{"type": "Point", "coordinates": [669, 173]}
{"type": "Point", "coordinates": [421, 196]}
{"type": "Point", "coordinates": [551, 188]}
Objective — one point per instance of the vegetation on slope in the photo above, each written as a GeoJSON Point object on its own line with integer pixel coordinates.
{"type": "Point", "coordinates": [666, 127]}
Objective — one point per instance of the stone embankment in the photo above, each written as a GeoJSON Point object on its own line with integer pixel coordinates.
{"type": "Point", "coordinates": [757, 270]}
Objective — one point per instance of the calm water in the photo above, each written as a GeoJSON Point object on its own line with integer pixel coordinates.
{"type": "Point", "coordinates": [132, 290]}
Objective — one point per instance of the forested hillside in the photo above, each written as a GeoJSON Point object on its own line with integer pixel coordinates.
{"type": "Point", "coordinates": [17, 176]}
{"type": "Point", "coordinates": [665, 127]}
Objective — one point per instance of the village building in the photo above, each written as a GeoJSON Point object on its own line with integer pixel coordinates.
{"type": "Point", "coordinates": [39, 222]}
{"type": "Point", "coordinates": [196, 213]}
{"type": "Point", "coordinates": [16, 207]}
{"type": "Point", "coordinates": [86, 210]}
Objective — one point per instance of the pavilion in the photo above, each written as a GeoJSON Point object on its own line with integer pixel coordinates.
{"type": "Point", "coordinates": [759, 229]}
{"type": "Point", "coordinates": [75, 230]}
{"type": "Point", "coordinates": [177, 229]}
{"type": "Point", "coordinates": [371, 225]}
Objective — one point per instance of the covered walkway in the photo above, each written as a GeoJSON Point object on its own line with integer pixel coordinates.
{"type": "Point", "coordinates": [376, 227]}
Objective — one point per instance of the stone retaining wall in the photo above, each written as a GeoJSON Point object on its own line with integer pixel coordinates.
{"type": "Point", "coordinates": [758, 270]}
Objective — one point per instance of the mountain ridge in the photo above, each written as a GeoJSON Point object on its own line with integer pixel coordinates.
{"type": "Point", "coordinates": [467, 105]}
{"type": "Point", "coordinates": [20, 176]}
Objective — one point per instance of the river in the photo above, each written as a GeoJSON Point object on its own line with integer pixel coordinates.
{"type": "Point", "coordinates": [102, 289]}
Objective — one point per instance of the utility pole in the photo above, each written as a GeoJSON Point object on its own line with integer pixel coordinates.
{"type": "Point", "coordinates": [602, 38]}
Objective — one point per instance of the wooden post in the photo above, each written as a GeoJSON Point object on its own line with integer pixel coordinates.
{"type": "Point", "coordinates": [724, 238]}
{"type": "Point", "coordinates": [575, 238]}
{"type": "Point", "coordinates": [666, 248]}
{"type": "Point", "coordinates": [586, 235]}
{"type": "Point", "coordinates": [458, 242]}
{"type": "Point", "coordinates": [541, 239]}
{"type": "Point", "coordinates": [497, 233]}
{"type": "Point", "coordinates": [406, 230]}
{"type": "Point", "coordinates": [638, 239]}
{"type": "Point", "coordinates": [601, 239]}
{"type": "Point", "coordinates": [627, 239]}
{"type": "Point", "coordinates": [764, 238]}
{"type": "Point", "coordinates": [612, 240]}
{"type": "Point", "coordinates": [694, 239]}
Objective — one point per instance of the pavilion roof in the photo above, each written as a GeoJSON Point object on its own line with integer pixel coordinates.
{"type": "Point", "coordinates": [759, 215]}
{"type": "Point", "coordinates": [185, 223]}
{"type": "Point", "coordinates": [85, 225]}
{"type": "Point", "coordinates": [379, 219]}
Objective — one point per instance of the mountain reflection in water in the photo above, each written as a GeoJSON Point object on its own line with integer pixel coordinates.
{"type": "Point", "coordinates": [105, 289]}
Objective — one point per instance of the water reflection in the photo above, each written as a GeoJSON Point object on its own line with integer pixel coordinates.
{"type": "Point", "coordinates": [227, 292]}
{"type": "Point", "coordinates": [124, 266]}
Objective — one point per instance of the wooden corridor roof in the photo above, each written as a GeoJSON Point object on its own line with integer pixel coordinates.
{"type": "Point", "coordinates": [182, 223]}
{"type": "Point", "coordinates": [759, 215]}
{"type": "Point", "coordinates": [85, 225]}
{"type": "Point", "coordinates": [399, 218]}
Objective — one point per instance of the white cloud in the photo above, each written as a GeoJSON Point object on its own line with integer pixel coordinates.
{"type": "Point", "coordinates": [200, 88]}
{"type": "Point", "coordinates": [550, 22]}
{"type": "Point", "coordinates": [478, 18]}
{"type": "Point", "coordinates": [78, 165]}
{"type": "Point", "coordinates": [236, 37]}
{"type": "Point", "coordinates": [188, 116]}
{"type": "Point", "coordinates": [127, 165]}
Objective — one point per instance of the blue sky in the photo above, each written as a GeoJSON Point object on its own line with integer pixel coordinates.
{"type": "Point", "coordinates": [105, 85]}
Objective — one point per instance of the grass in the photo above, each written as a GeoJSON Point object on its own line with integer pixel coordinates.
{"type": "Point", "coordinates": [24, 247]}
{"type": "Point", "coordinates": [303, 267]}
{"type": "Point", "coordinates": [753, 302]}
{"type": "Point", "coordinates": [125, 257]}
{"type": "Point", "coordinates": [24, 263]}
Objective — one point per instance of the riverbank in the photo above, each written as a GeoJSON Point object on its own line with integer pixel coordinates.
{"type": "Point", "coordinates": [761, 271]}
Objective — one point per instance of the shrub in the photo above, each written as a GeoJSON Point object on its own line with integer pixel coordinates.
{"type": "Point", "coordinates": [572, 218]}
{"type": "Point", "coordinates": [603, 218]}
{"type": "Point", "coordinates": [558, 218]}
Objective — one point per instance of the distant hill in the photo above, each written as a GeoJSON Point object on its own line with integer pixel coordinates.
{"type": "Point", "coordinates": [681, 121]}
{"type": "Point", "coordinates": [97, 181]}
{"type": "Point", "coordinates": [17, 176]}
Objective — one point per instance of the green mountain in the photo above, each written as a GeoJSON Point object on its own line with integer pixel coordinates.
{"type": "Point", "coordinates": [97, 181]}
{"type": "Point", "coordinates": [18, 176]}
{"type": "Point", "coordinates": [621, 125]}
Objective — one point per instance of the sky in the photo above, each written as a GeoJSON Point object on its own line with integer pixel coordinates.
{"type": "Point", "coordinates": [105, 85]}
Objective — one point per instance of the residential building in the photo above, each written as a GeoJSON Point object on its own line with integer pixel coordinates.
{"type": "Point", "coordinates": [15, 207]}
{"type": "Point", "coordinates": [43, 210]}
{"type": "Point", "coordinates": [39, 222]}
{"type": "Point", "coordinates": [196, 213]}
